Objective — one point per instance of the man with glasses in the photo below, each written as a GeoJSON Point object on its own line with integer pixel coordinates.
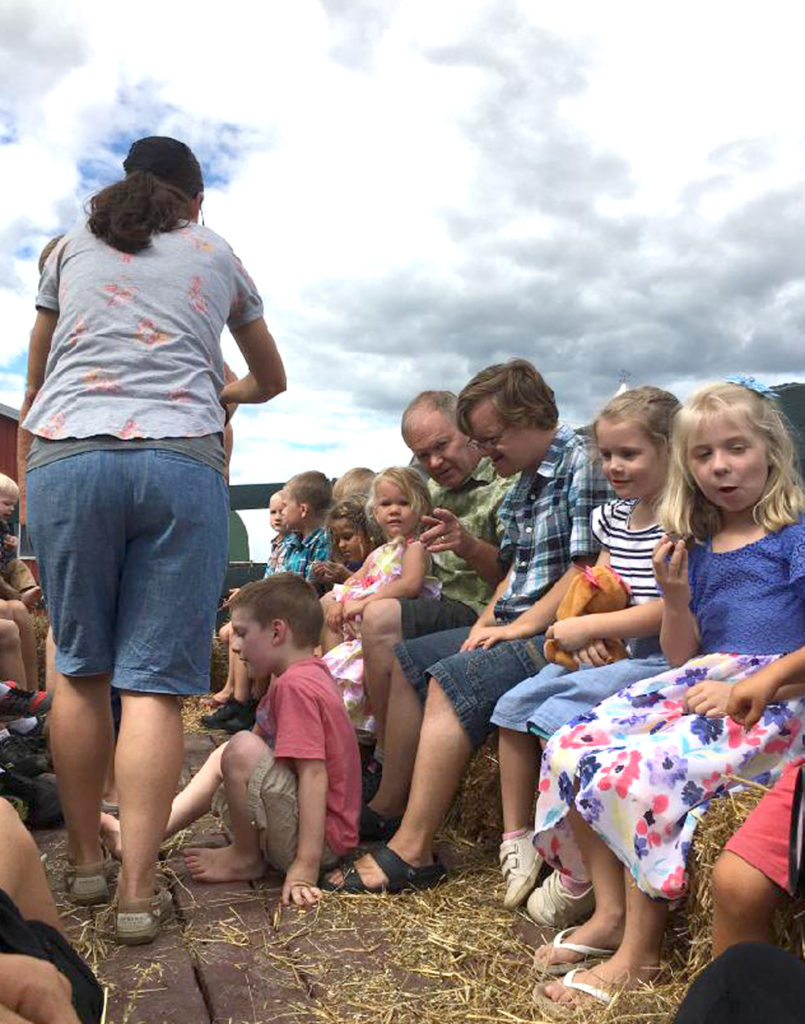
{"type": "Point", "coordinates": [445, 686]}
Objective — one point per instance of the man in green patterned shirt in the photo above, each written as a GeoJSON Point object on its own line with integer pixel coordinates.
{"type": "Point", "coordinates": [463, 537]}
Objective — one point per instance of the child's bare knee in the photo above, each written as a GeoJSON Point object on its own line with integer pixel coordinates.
{"type": "Point", "coordinates": [733, 882]}
{"type": "Point", "coordinates": [242, 752]}
{"type": "Point", "coordinates": [9, 633]}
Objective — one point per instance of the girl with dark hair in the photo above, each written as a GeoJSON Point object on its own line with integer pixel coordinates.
{"type": "Point", "coordinates": [127, 502]}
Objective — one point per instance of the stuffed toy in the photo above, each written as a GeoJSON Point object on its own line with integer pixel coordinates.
{"type": "Point", "coordinates": [596, 589]}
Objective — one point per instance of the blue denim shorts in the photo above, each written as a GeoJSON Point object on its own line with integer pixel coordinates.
{"type": "Point", "coordinates": [132, 548]}
{"type": "Point", "coordinates": [547, 701]}
{"type": "Point", "coordinates": [472, 681]}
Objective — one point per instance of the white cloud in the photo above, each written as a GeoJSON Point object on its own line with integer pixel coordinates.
{"type": "Point", "coordinates": [420, 189]}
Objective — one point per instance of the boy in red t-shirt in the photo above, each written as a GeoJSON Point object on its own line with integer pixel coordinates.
{"type": "Point", "coordinates": [290, 791]}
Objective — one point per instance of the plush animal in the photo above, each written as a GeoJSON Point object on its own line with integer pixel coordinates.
{"type": "Point", "coordinates": [598, 588]}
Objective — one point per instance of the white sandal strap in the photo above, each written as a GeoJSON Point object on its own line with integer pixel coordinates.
{"type": "Point", "coordinates": [575, 947]}
{"type": "Point", "coordinates": [589, 990]}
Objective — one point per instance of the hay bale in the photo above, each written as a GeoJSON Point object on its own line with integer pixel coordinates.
{"type": "Point", "coordinates": [476, 812]}
{"type": "Point", "coordinates": [41, 624]}
{"type": "Point", "coordinates": [219, 664]}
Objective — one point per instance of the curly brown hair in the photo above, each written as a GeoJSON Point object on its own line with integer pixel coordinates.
{"type": "Point", "coordinates": [128, 213]}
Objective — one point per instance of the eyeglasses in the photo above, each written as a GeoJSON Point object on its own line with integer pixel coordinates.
{"type": "Point", "coordinates": [487, 444]}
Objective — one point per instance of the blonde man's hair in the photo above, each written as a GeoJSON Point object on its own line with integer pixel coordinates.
{"type": "Point", "coordinates": [437, 401]}
{"type": "Point", "coordinates": [518, 393]}
{"type": "Point", "coordinates": [357, 480]}
{"type": "Point", "coordinates": [412, 486]}
{"type": "Point", "coordinates": [685, 510]}
{"type": "Point", "coordinates": [652, 409]}
{"type": "Point", "coordinates": [9, 486]}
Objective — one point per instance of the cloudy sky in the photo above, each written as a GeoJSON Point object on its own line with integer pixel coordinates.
{"type": "Point", "coordinates": [422, 187]}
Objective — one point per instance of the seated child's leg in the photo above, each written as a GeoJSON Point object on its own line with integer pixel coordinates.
{"type": "Point", "coordinates": [11, 664]}
{"type": "Point", "coordinates": [744, 903]}
{"type": "Point", "coordinates": [519, 756]}
{"type": "Point", "coordinates": [750, 878]}
{"type": "Point", "coordinates": [196, 798]}
{"type": "Point", "coordinates": [20, 614]}
{"type": "Point", "coordinates": [243, 860]}
{"type": "Point", "coordinates": [242, 684]}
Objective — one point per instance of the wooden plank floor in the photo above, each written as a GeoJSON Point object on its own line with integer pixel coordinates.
{"type": "Point", "coordinates": [230, 957]}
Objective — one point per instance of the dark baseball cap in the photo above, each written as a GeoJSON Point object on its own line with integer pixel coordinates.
{"type": "Point", "coordinates": [168, 159]}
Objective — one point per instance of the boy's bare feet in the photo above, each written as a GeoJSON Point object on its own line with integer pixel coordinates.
{"type": "Point", "coordinates": [31, 598]}
{"type": "Point", "coordinates": [110, 835]}
{"type": "Point", "coordinates": [222, 864]}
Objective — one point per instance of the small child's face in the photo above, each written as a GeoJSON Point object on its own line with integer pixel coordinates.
{"type": "Point", "coordinates": [393, 511]}
{"type": "Point", "coordinates": [293, 514]}
{"type": "Point", "coordinates": [253, 644]}
{"type": "Point", "coordinates": [350, 543]}
{"type": "Point", "coordinates": [7, 505]}
{"type": "Point", "coordinates": [275, 512]}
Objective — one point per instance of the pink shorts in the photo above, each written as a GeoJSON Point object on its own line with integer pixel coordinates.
{"type": "Point", "coordinates": [763, 839]}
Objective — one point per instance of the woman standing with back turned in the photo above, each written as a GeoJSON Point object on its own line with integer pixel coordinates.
{"type": "Point", "coordinates": [128, 508]}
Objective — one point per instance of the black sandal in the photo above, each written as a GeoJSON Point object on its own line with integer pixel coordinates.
{"type": "Point", "coordinates": [400, 874]}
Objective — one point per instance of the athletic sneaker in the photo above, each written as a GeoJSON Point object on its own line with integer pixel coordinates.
{"type": "Point", "coordinates": [35, 800]}
{"type": "Point", "coordinates": [243, 718]}
{"type": "Point", "coordinates": [19, 703]}
{"type": "Point", "coordinates": [556, 907]}
{"type": "Point", "coordinates": [519, 865]}
{"type": "Point", "coordinates": [18, 756]}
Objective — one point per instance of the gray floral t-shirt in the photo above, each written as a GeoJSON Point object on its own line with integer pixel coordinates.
{"type": "Point", "coordinates": [137, 348]}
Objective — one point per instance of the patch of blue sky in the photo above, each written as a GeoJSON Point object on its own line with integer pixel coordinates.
{"type": "Point", "coordinates": [8, 130]}
{"type": "Point", "coordinates": [301, 446]}
{"type": "Point", "coordinates": [26, 251]}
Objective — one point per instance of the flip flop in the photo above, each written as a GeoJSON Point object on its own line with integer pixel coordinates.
{"type": "Point", "coordinates": [400, 874]}
{"type": "Point", "coordinates": [557, 1011]}
{"type": "Point", "coordinates": [590, 955]}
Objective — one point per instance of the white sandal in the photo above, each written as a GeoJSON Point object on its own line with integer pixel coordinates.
{"type": "Point", "coordinates": [557, 1010]}
{"type": "Point", "coordinates": [590, 955]}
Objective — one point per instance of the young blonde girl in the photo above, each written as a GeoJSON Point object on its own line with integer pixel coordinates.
{"type": "Point", "coordinates": [632, 435]}
{"type": "Point", "coordinates": [633, 777]}
{"type": "Point", "coordinates": [398, 568]}
{"type": "Point", "coordinates": [352, 536]}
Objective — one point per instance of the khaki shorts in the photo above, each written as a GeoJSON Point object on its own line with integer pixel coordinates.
{"type": "Point", "coordinates": [273, 808]}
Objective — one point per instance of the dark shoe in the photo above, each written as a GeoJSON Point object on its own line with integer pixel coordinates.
{"type": "Point", "coordinates": [17, 756]}
{"type": "Point", "coordinates": [400, 874]}
{"type": "Point", "coordinates": [242, 719]}
{"type": "Point", "coordinates": [370, 779]}
{"type": "Point", "coordinates": [18, 703]}
{"type": "Point", "coordinates": [216, 719]}
{"type": "Point", "coordinates": [35, 800]}
{"type": "Point", "coordinates": [374, 826]}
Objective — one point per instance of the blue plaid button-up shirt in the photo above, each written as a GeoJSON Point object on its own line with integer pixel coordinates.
{"type": "Point", "coordinates": [547, 521]}
{"type": "Point", "coordinates": [298, 554]}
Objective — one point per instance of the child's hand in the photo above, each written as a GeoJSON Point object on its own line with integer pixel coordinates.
{"type": "Point", "coordinates": [330, 572]}
{"type": "Point", "coordinates": [334, 616]}
{"type": "Point", "coordinates": [708, 699]}
{"type": "Point", "coordinates": [10, 541]}
{"type": "Point", "coordinates": [230, 596]}
{"type": "Point", "coordinates": [571, 634]}
{"type": "Point", "coordinates": [297, 887]}
{"type": "Point", "coordinates": [749, 698]}
{"type": "Point", "coordinates": [670, 561]}
{"type": "Point", "coordinates": [354, 609]}
{"type": "Point", "coordinates": [593, 655]}
{"type": "Point", "coordinates": [484, 637]}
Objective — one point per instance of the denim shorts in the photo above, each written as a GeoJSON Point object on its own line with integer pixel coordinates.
{"type": "Point", "coordinates": [547, 701]}
{"type": "Point", "coordinates": [473, 681]}
{"type": "Point", "coordinates": [132, 548]}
